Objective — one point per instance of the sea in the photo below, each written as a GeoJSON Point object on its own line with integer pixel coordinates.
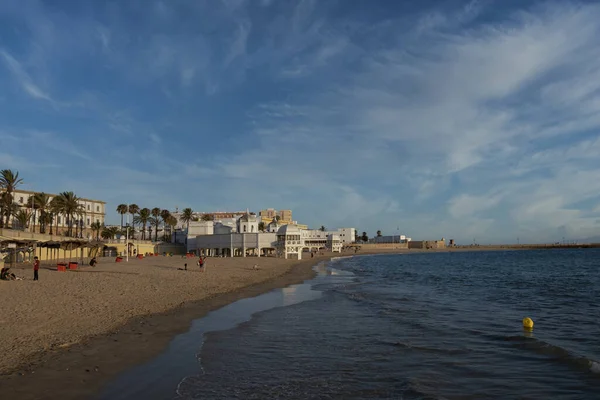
{"type": "Point", "coordinates": [407, 326]}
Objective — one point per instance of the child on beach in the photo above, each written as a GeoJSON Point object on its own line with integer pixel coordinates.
{"type": "Point", "coordinates": [201, 261]}
{"type": "Point", "coordinates": [36, 268]}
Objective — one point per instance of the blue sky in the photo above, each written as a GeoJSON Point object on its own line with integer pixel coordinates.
{"type": "Point", "coordinates": [467, 120]}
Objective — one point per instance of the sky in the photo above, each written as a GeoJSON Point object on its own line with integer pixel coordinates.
{"type": "Point", "coordinates": [472, 120]}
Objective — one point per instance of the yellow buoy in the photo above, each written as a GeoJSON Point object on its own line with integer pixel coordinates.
{"type": "Point", "coordinates": [527, 323]}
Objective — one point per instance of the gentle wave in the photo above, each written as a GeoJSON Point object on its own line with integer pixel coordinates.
{"type": "Point", "coordinates": [556, 353]}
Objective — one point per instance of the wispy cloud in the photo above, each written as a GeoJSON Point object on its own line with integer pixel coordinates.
{"type": "Point", "coordinates": [23, 79]}
{"type": "Point", "coordinates": [477, 120]}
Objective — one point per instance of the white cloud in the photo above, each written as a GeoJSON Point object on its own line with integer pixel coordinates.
{"type": "Point", "coordinates": [155, 138]}
{"type": "Point", "coordinates": [23, 78]}
{"type": "Point", "coordinates": [466, 205]}
{"type": "Point", "coordinates": [436, 119]}
{"type": "Point", "coordinates": [238, 46]}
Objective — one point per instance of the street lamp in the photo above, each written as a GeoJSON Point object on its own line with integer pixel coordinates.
{"type": "Point", "coordinates": [127, 235]}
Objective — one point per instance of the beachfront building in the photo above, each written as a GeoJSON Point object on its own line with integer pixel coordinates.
{"type": "Point", "coordinates": [289, 242]}
{"type": "Point", "coordinates": [427, 244]}
{"type": "Point", "coordinates": [391, 239]}
{"type": "Point", "coordinates": [243, 238]}
{"type": "Point", "coordinates": [334, 243]}
{"type": "Point", "coordinates": [92, 211]}
{"type": "Point", "coordinates": [217, 216]}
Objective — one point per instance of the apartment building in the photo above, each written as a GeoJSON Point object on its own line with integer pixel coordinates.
{"type": "Point", "coordinates": [92, 211]}
{"type": "Point", "coordinates": [268, 215]}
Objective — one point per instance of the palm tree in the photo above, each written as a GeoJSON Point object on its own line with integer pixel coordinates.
{"type": "Point", "coordinates": [55, 210]}
{"type": "Point", "coordinates": [122, 209]}
{"type": "Point", "coordinates": [41, 201]}
{"type": "Point", "coordinates": [378, 233]}
{"type": "Point", "coordinates": [207, 217]}
{"type": "Point", "coordinates": [142, 219]}
{"type": "Point", "coordinates": [8, 207]}
{"type": "Point", "coordinates": [23, 217]}
{"type": "Point", "coordinates": [172, 222]}
{"type": "Point", "coordinates": [155, 221]}
{"type": "Point", "coordinates": [5, 200]}
{"type": "Point", "coordinates": [96, 227]}
{"type": "Point", "coordinates": [9, 181]}
{"type": "Point", "coordinates": [109, 232]}
{"type": "Point", "coordinates": [261, 226]}
{"type": "Point", "coordinates": [186, 216]}
{"type": "Point", "coordinates": [69, 207]}
{"type": "Point", "coordinates": [322, 228]}
{"type": "Point", "coordinates": [46, 219]}
{"type": "Point", "coordinates": [106, 233]}
{"type": "Point", "coordinates": [165, 214]}
{"type": "Point", "coordinates": [133, 209]}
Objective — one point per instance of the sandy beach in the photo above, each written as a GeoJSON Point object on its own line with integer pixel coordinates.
{"type": "Point", "coordinates": [89, 324]}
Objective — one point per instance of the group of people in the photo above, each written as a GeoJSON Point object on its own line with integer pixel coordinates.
{"type": "Point", "coordinates": [201, 263]}
{"type": "Point", "coordinates": [9, 276]}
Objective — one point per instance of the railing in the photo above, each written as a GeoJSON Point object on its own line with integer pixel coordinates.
{"type": "Point", "coordinates": [19, 234]}
{"type": "Point", "coordinates": [134, 241]}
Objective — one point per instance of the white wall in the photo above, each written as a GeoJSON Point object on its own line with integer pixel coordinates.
{"type": "Point", "coordinates": [201, 228]}
{"type": "Point", "coordinates": [346, 235]}
{"type": "Point", "coordinates": [250, 226]}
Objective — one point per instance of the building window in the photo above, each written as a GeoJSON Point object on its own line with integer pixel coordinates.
{"type": "Point", "coordinates": [59, 220]}
{"type": "Point", "coordinates": [98, 208]}
{"type": "Point", "coordinates": [88, 207]}
{"type": "Point", "coordinates": [88, 220]}
{"type": "Point", "coordinates": [21, 199]}
{"type": "Point", "coordinates": [97, 221]}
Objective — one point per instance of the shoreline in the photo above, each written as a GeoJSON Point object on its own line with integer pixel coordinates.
{"type": "Point", "coordinates": [80, 370]}
{"type": "Point", "coordinates": [98, 358]}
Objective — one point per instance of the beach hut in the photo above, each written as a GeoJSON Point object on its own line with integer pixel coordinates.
{"type": "Point", "coordinates": [11, 246]}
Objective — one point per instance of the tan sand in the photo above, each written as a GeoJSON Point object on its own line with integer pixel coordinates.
{"type": "Point", "coordinates": [64, 307]}
{"type": "Point", "coordinates": [69, 333]}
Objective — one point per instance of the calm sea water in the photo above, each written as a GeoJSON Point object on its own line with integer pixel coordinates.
{"type": "Point", "coordinates": [419, 326]}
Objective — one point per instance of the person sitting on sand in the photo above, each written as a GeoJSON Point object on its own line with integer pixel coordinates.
{"type": "Point", "coordinates": [93, 262]}
{"type": "Point", "coordinates": [5, 275]}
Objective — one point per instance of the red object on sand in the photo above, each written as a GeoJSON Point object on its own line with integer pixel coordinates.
{"type": "Point", "coordinates": [73, 265]}
{"type": "Point", "coordinates": [139, 256]}
{"type": "Point", "coordinates": [119, 259]}
{"type": "Point", "coordinates": [61, 267]}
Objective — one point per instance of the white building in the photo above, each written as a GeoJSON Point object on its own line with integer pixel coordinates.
{"type": "Point", "coordinates": [245, 240]}
{"type": "Point", "coordinates": [347, 235]}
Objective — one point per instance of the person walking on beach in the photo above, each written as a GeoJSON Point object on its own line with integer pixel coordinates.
{"type": "Point", "coordinates": [36, 268]}
{"type": "Point", "coordinates": [201, 263]}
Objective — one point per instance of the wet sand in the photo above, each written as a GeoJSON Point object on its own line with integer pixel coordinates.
{"type": "Point", "coordinates": [69, 333]}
